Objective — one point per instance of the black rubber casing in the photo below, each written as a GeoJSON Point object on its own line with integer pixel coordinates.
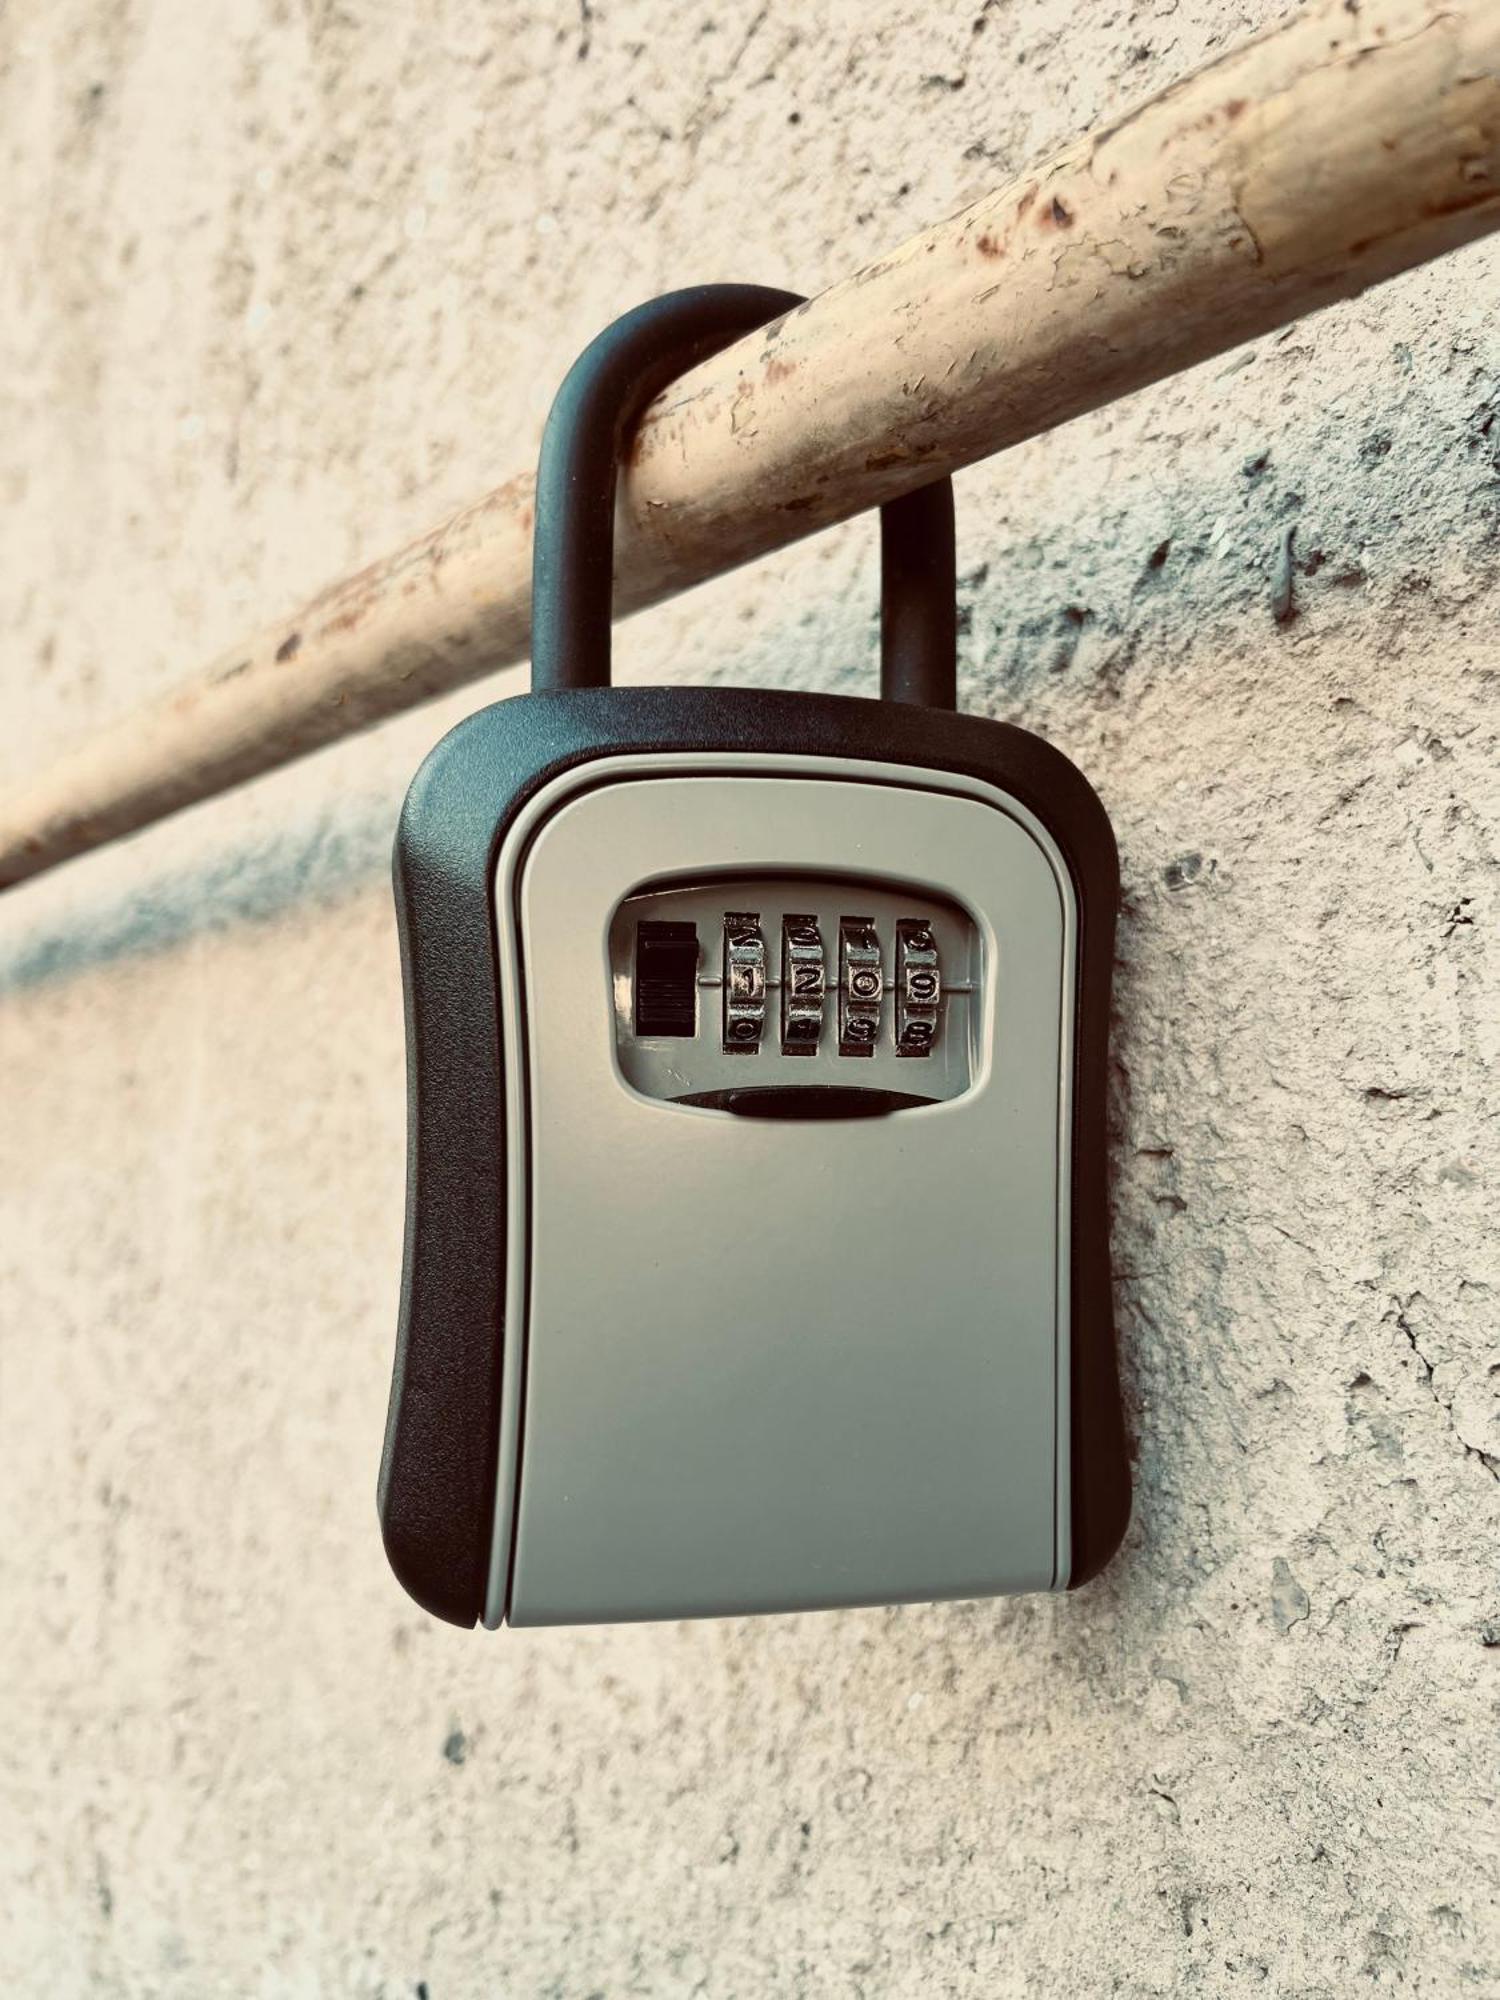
{"type": "Point", "coordinates": [437, 1475]}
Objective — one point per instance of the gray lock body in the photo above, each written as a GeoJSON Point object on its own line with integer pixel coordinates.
{"type": "Point", "coordinates": [774, 1362]}
{"type": "Point", "coordinates": [663, 1358]}
{"type": "Point", "coordinates": [756, 1241]}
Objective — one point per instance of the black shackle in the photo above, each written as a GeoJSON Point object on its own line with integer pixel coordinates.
{"type": "Point", "coordinates": [602, 396]}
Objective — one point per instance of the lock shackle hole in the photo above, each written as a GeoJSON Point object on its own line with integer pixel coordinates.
{"type": "Point", "coordinates": [601, 398]}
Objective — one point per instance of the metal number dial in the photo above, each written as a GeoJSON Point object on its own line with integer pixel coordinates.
{"type": "Point", "coordinates": [919, 987]}
{"type": "Point", "coordinates": [861, 986]}
{"type": "Point", "coordinates": [744, 982]}
{"type": "Point", "coordinates": [804, 984]}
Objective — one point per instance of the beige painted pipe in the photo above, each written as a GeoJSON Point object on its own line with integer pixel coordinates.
{"type": "Point", "coordinates": [1361, 138]}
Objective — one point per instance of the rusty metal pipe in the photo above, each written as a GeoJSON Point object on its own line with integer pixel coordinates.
{"type": "Point", "coordinates": [1357, 140]}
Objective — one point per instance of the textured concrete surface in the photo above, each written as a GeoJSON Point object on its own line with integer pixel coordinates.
{"type": "Point", "coordinates": [284, 282]}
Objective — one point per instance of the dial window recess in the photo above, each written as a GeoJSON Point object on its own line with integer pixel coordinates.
{"type": "Point", "coordinates": [730, 987]}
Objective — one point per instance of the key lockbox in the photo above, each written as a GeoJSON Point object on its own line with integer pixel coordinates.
{"type": "Point", "coordinates": [757, 1251]}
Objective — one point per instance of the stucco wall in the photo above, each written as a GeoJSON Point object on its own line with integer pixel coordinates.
{"type": "Point", "coordinates": [285, 282]}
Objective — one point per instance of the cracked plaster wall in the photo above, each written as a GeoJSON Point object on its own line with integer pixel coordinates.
{"type": "Point", "coordinates": [285, 282]}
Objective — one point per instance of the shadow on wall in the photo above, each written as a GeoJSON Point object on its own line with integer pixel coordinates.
{"type": "Point", "coordinates": [338, 854]}
{"type": "Point", "coordinates": [320, 863]}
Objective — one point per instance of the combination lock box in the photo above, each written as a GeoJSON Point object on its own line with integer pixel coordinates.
{"type": "Point", "coordinates": [757, 1251]}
